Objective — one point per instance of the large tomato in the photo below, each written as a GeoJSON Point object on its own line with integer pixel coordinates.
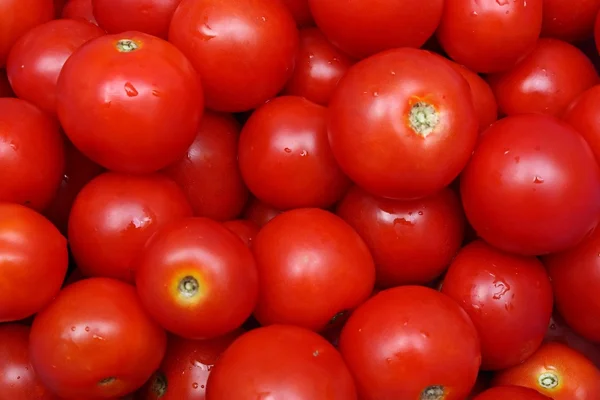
{"type": "Point", "coordinates": [582, 114]}
{"type": "Point", "coordinates": [563, 21]}
{"type": "Point", "coordinates": [396, 348]}
{"type": "Point", "coordinates": [79, 9]}
{"type": "Point", "coordinates": [130, 102]}
{"type": "Point", "coordinates": [95, 341]}
{"type": "Point", "coordinates": [402, 124]}
{"type": "Point", "coordinates": [243, 49]}
{"type": "Point", "coordinates": [523, 173]}
{"type": "Point", "coordinates": [511, 393]}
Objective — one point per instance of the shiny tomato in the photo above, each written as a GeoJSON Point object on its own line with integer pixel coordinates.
{"type": "Point", "coordinates": [95, 341]}
{"type": "Point", "coordinates": [209, 173]}
{"type": "Point", "coordinates": [286, 362]}
{"type": "Point", "coordinates": [115, 214]}
{"type": "Point", "coordinates": [524, 171]}
{"type": "Point", "coordinates": [395, 348]}
{"type": "Point", "coordinates": [559, 331]}
{"type": "Point", "coordinates": [563, 21]}
{"type": "Point", "coordinates": [412, 241]}
{"type": "Point", "coordinates": [5, 88]}
{"type": "Point", "coordinates": [131, 117]}
{"type": "Point", "coordinates": [582, 114]}
{"type": "Point", "coordinates": [244, 50]}
{"type": "Point", "coordinates": [300, 11]}
{"type": "Point", "coordinates": [312, 266]}
{"type": "Point", "coordinates": [511, 393]}
{"type": "Point", "coordinates": [79, 9]}
{"type": "Point", "coordinates": [508, 297]}
{"type": "Point", "coordinates": [285, 157]}
{"type": "Point", "coordinates": [260, 213]}
{"type": "Point", "coordinates": [364, 27]}
{"type": "Point", "coordinates": [557, 371]}
{"type": "Point", "coordinates": [489, 36]}
{"type": "Point", "coordinates": [245, 229]}
{"type": "Point", "coordinates": [402, 124]}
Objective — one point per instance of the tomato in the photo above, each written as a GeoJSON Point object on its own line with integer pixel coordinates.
{"type": "Point", "coordinates": [95, 341]}
{"type": "Point", "coordinates": [115, 214]}
{"type": "Point", "coordinates": [557, 371]}
{"type": "Point", "coordinates": [18, 380]}
{"type": "Point", "coordinates": [31, 154]}
{"type": "Point", "coordinates": [244, 50]}
{"type": "Point", "coordinates": [402, 124]}
{"type": "Point", "coordinates": [285, 157]}
{"type": "Point", "coordinates": [489, 36]}
{"type": "Point", "coordinates": [563, 21]}
{"type": "Point", "coordinates": [197, 279]}
{"type": "Point", "coordinates": [582, 115]}
{"type": "Point", "coordinates": [209, 173]}
{"type": "Point", "coordinates": [559, 331]}
{"type": "Point", "coordinates": [245, 229]}
{"type": "Point", "coordinates": [19, 16]}
{"type": "Point", "coordinates": [300, 11]}
{"type": "Point", "coordinates": [130, 117]}
{"type": "Point", "coordinates": [5, 88]}
{"type": "Point", "coordinates": [395, 348]}
{"type": "Point", "coordinates": [312, 267]}
{"type": "Point", "coordinates": [286, 362]}
{"type": "Point", "coordinates": [259, 212]}
{"type": "Point", "coordinates": [524, 171]}
{"type": "Point", "coordinates": [148, 16]}
{"type": "Point", "coordinates": [412, 241]}
{"type": "Point", "coordinates": [36, 59]}
{"type": "Point", "coordinates": [545, 81]}
{"type": "Point", "coordinates": [319, 68]}
{"type": "Point", "coordinates": [512, 393]}
{"type": "Point", "coordinates": [364, 27]}
{"type": "Point", "coordinates": [79, 9]}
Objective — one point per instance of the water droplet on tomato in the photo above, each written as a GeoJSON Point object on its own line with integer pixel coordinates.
{"type": "Point", "coordinates": [538, 179]}
{"type": "Point", "coordinates": [287, 150]}
{"type": "Point", "coordinates": [130, 90]}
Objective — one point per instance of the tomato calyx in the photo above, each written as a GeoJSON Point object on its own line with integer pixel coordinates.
{"type": "Point", "coordinates": [159, 384]}
{"type": "Point", "coordinates": [435, 392]}
{"type": "Point", "coordinates": [127, 45]}
{"type": "Point", "coordinates": [188, 286]}
{"type": "Point", "coordinates": [423, 118]}
{"type": "Point", "coordinates": [548, 380]}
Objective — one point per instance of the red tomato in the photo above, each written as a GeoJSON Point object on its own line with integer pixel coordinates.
{"type": "Point", "coordinates": [5, 88]}
{"type": "Point", "coordinates": [95, 341]}
{"type": "Point", "coordinates": [395, 348]}
{"type": "Point", "coordinates": [115, 214]}
{"type": "Point", "coordinates": [523, 173]}
{"type": "Point", "coordinates": [545, 81]}
{"type": "Point", "coordinates": [364, 27]}
{"type": "Point", "coordinates": [243, 49]}
{"type": "Point", "coordinates": [79, 9]}
{"type": "Point", "coordinates": [197, 279]}
{"type": "Point", "coordinates": [402, 124]}
{"type": "Point", "coordinates": [209, 173]}
{"type": "Point", "coordinates": [245, 229]}
{"type": "Point", "coordinates": [259, 212]}
{"type": "Point", "coordinates": [511, 393]}
{"type": "Point", "coordinates": [508, 297]}
{"type": "Point", "coordinates": [31, 154]}
{"type": "Point", "coordinates": [582, 114]}
{"type": "Point", "coordinates": [412, 241]}
{"type": "Point", "coordinates": [131, 117]}
{"type": "Point", "coordinates": [19, 16]}
{"type": "Point", "coordinates": [557, 371]}
{"type": "Point", "coordinates": [148, 16]}
{"type": "Point", "coordinates": [285, 157]}
{"type": "Point", "coordinates": [300, 11]}
{"type": "Point", "coordinates": [489, 36]}
{"type": "Point", "coordinates": [312, 266]}
{"type": "Point", "coordinates": [559, 331]}
{"type": "Point", "coordinates": [36, 59]}
{"type": "Point", "coordinates": [563, 21]}
{"type": "Point", "coordinates": [319, 68]}
{"type": "Point", "coordinates": [286, 362]}
{"type": "Point", "coordinates": [18, 380]}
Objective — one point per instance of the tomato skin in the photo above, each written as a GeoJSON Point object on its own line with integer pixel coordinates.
{"type": "Point", "coordinates": [489, 36]}
{"type": "Point", "coordinates": [245, 229]}
{"type": "Point", "coordinates": [376, 25]}
{"type": "Point", "coordinates": [260, 213]}
{"type": "Point", "coordinates": [572, 24]}
{"type": "Point", "coordinates": [130, 118]}
{"type": "Point", "coordinates": [412, 241]}
{"type": "Point", "coordinates": [287, 362]}
{"type": "Point", "coordinates": [79, 9]}
{"type": "Point", "coordinates": [559, 331]}
{"type": "Point", "coordinates": [31, 154]}
{"type": "Point", "coordinates": [512, 393]}
{"type": "Point", "coordinates": [218, 36]}
{"type": "Point", "coordinates": [379, 348]}
{"type": "Point", "coordinates": [209, 173]}
{"type": "Point", "coordinates": [5, 88]}
{"type": "Point", "coordinates": [522, 173]}
{"type": "Point", "coordinates": [374, 127]}
{"type": "Point", "coordinates": [582, 115]}
{"type": "Point", "coordinates": [300, 11]}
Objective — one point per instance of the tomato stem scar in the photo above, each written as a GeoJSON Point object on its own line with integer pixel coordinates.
{"type": "Point", "coordinates": [126, 45]}
{"type": "Point", "coordinates": [435, 392]}
{"type": "Point", "coordinates": [107, 381]}
{"type": "Point", "coordinates": [423, 118]}
{"type": "Point", "coordinates": [189, 286]}
{"type": "Point", "coordinates": [159, 384]}
{"type": "Point", "coordinates": [548, 380]}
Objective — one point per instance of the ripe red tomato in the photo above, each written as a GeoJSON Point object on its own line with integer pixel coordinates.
{"type": "Point", "coordinates": [141, 105]}
{"type": "Point", "coordinates": [524, 171]}
{"type": "Point", "coordinates": [511, 393]}
{"type": "Point", "coordinates": [412, 241]}
{"type": "Point", "coordinates": [582, 115]}
{"type": "Point", "coordinates": [286, 362]}
{"type": "Point", "coordinates": [79, 9]}
{"type": "Point", "coordinates": [557, 371]}
{"type": "Point", "coordinates": [115, 214]}
{"type": "Point", "coordinates": [260, 213]}
{"type": "Point", "coordinates": [364, 27]}
{"type": "Point", "coordinates": [402, 124]}
{"type": "Point", "coordinates": [5, 88]}
{"type": "Point", "coordinates": [95, 341]}
{"type": "Point", "coordinates": [300, 11]}
{"type": "Point", "coordinates": [197, 279]}
{"type": "Point", "coordinates": [209, 173]}
{"type": "Point", "coordinates": [245, 229]}
{"type": "Point", "coordinates": [395, 348]}
{"type": "Point", "coordinates": [244, 50]}
{"type": "Point", "coordinates": [312, 266]}
{"type": "Point", "coordinates": [559, 331]}
{"type": "Point", "coordinates": [285, 157]}
{"type": "Point", "coordinates": [508, 297]}
{"type": "Point", "coordinates": [545, 81]}
{"type": "Point", "coordinates": [563, 21]}
{"type": "Point", "coordinates": [489, 36]}
{"type": "Point", "coordinates": [31, 154]}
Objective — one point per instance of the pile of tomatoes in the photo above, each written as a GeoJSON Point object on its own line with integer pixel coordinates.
{"type": "Point", "coordinates": [299, 200]}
